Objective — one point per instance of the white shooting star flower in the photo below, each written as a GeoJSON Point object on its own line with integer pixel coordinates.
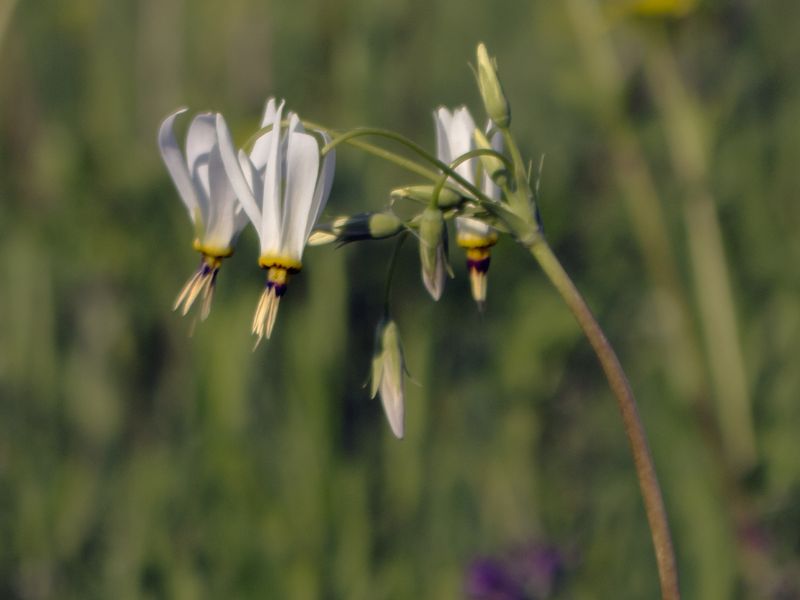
{"type": "Point", "coordinates": [455, 136]}
{"type": "Point", "coordinates": [206, 191]}
{"type": "Point", "coordinates": [283, 186]}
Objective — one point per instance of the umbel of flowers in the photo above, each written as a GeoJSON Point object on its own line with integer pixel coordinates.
{"type": "Point", "coordinates": [281, 186]}
{"type": "Point", "coordinates": [476, 177]}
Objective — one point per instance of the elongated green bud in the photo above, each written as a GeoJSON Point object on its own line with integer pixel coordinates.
{"type": "Point", "coordinates": [448, 197]}
{"type": "Point", "coordinates": [384, 224]}
{"type": "Point", "coordinates": [362, 226]}
{"type": "Point", "coordinates": [388, 371]}
{"type": "Point", "coordinates": [491, 91]}
{"type": "Point", "coordinates": [433, 250]}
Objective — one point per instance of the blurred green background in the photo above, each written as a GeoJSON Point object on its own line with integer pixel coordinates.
{"type": "Point", "coordinates": [139, 462]}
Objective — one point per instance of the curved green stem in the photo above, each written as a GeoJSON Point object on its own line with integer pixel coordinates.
{"type": "Point", "coordinates": [388, 155]}
{"type": "Point", "coordinates": [519, 199]}
{"type": "Point", "coordinates": [416, 149]}
{"type": "Point", "coordinates": [519, 224]}
{"type": "Point", "coordinates": [384, 133]}
{"type": "Point", "coordinates": [390, 272]}
{"type": "Point", "coordinates": [642, 458]}
{"type": "Point", "coordinates": [351, 137]}
{"type": "Point", "coordinates": [251, 141]}
{"type": "Point", "coordinates": [462, 159]}
{"type": "Point", "coordinates": [516, 155]}
{"type": "Point", "coordinates": [498, 210]}
{"type": "Point", "coordinates": [392, 157]}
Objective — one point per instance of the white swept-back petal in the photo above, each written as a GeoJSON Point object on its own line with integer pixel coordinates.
{"type": "Point", "coordinates": [460, 136]}
{"type": "Point", "coordinates": [176, 164]}
{"type": "Point", "coordinates": [392, 395]}
{"type": "Point", "coordinates": [269, 111]}
{"type": "Point", "coordinates": [467, 226]}
{"type": "Point", "coordinates": [200, 139]}
{"type": "Point", "coordinates": [241, 219]}
{"type": "Point", "coordinates": [454, 137]}
{"type": "Point", "coordinates": [443, 120]}
{"type": "Point", "coordinates": [223, 224]}
{"type": "Point", "coordinates": [302, 172]}
{"type": "Point", "coordinates": [234, 172]}
{"type": "Point", "coordinates": [271, 213]}
{"type": "Point", "coordinates": [392, 388]}
{"type": "Point", "coordinates": [260, 148]}
{"type": "Point", "coordinates": [434, 279]}
{"type": "Point", "coordinates": [324, 184]}
{"type": "Point", "coordinates": [295, 124]}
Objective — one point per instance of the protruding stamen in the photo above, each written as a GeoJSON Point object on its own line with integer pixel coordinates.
{"type": "Point", "coordinates": [267, 309]}
{"type": "Point", "coordinates": [478, 260]}
{"type": "Point", "coordinates": [205, 307]}
{"type": "Point", "coordinates": [202, 285]}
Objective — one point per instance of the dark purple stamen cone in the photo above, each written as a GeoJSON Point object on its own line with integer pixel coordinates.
{"type": "Point", "coordinates": [278, 288]}
{"type": "Point", "coordinates": [481, 265]}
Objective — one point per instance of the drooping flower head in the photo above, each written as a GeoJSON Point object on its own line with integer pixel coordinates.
{"type": "Point", "coordinates": [455, 136]}
{"type": "Point", "coordinates": [206, 191]}
{"type": "Point", "coordinates": [388, 373]}
{"type": "Point", "coordinates": [283, 186]}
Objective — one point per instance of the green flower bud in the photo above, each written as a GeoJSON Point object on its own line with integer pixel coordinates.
{"type": "Point", "coordinates": [388, 370]}
{"type": "Point", "coordinates": [362, 226]}
{"type": "Point", "coordinates": [494, 100]}
{"type": "Point", "coordinates": [384, 224]}
{"type": "Point", "coordinates": [448, 197]}
{"type": "Point", "coordinates": [433, 250]}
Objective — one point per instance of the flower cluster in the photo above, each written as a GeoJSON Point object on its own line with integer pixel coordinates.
{"type": "Point", "coordinates": [281, 186]}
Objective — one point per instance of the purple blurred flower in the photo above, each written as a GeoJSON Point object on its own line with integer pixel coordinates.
{"type": "Point", "coordinates": [527, 572]}
{"type": "Point", "coordinates": [488, 579]}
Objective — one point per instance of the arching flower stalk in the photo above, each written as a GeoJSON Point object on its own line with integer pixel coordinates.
{"type": "Point", "coordinates": [206, 191]}
{"type": "Point", "coordinates": [455, 136]}
{"type": "Point", "coordinates": [283, 186]}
